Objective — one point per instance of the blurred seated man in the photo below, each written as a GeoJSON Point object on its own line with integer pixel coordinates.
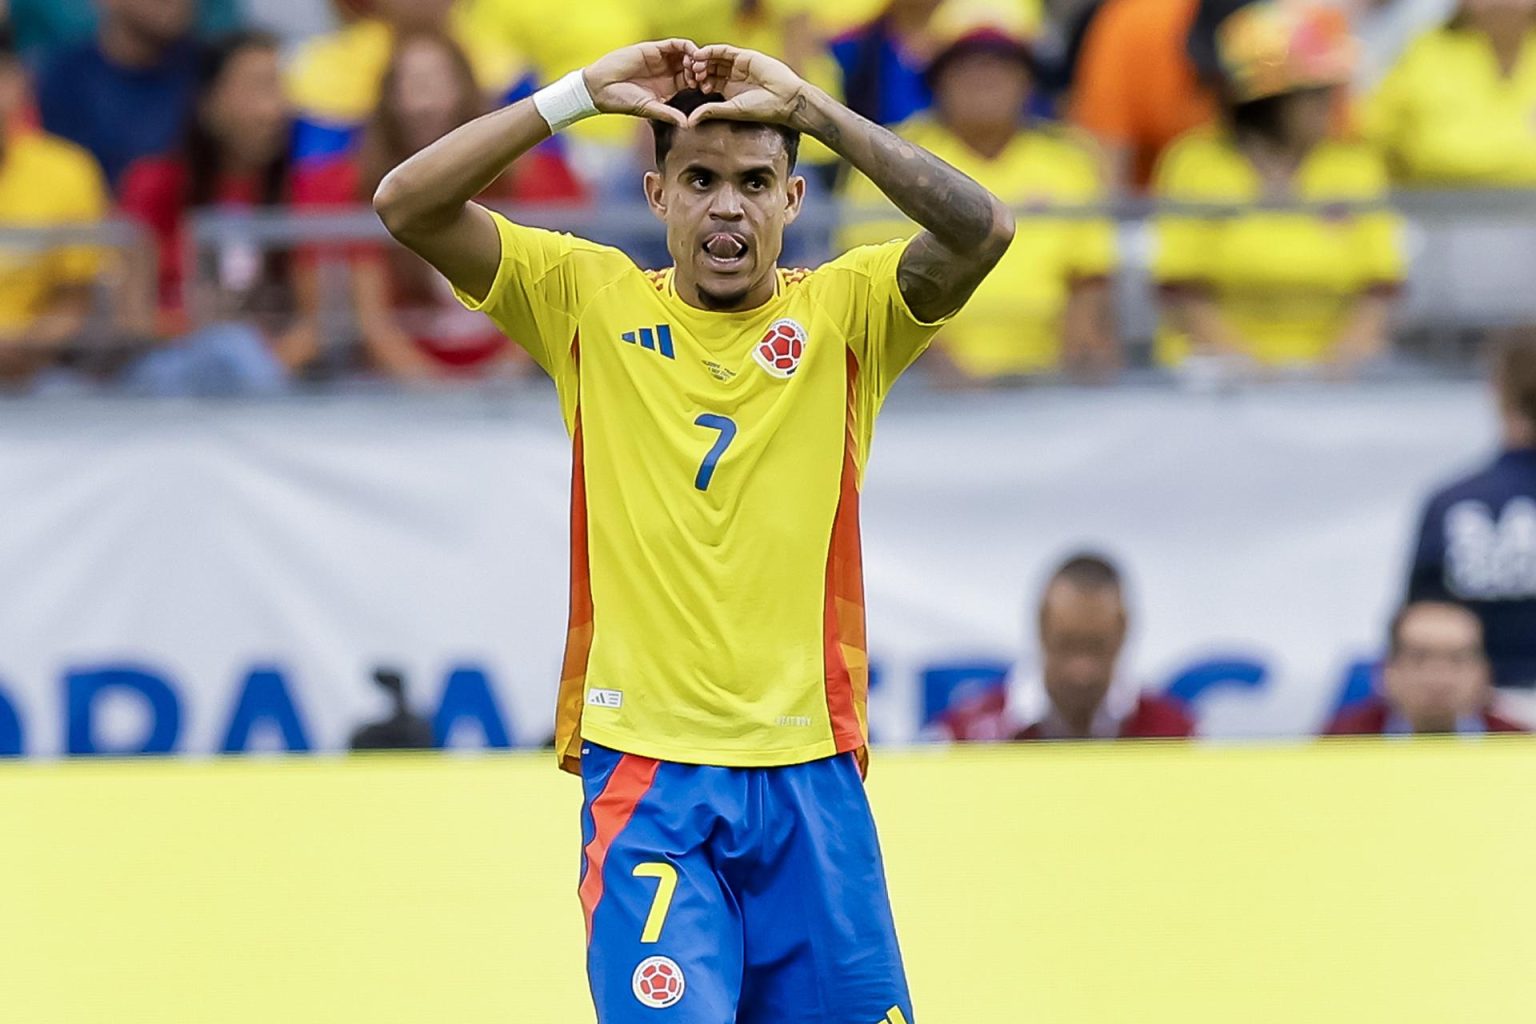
{"type": "Point", "coordinates": [126, 93]}
{"type": "Point", "coordinates": [45, 182]}
{"type": "Point", "coordinates": [1047, 305]}
{"type": "Point", "coordinates": [1246, 287]}
{"type": "Point", "coordinates": [1456, 109]}
{"type": "Point", "coordinates": [334, 80]}
{"type": "Point", "coordinates": [1080, 692]}
{"type": "Point", "coordinates": [1435, 679]}
{"type": "Point", "coordinates": [1477, 537]}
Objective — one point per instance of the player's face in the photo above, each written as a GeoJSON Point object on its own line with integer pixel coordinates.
{"type": "Point", "coordinates": [726, 194]}
{"type": "Point", "coordinates": [1081, 633]}
{"type": "Point", "coordinates": [1439, 671]}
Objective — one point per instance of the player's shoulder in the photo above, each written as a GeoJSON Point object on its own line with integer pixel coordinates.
{"type": "Point", "coordinates": [866, 262]}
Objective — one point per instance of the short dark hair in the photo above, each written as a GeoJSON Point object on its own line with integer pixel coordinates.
{"type": "Point", "coordinates": [1515, 371]}
{"type": "Point", "coordinates": [690, 100]}
{"type": "Point", "coordinates": [1088, 570]}
{"type": "Point", "coordinates": [1399, 617]}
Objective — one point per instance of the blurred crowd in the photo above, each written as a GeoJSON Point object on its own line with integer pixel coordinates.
{"type": "Point", "coordinates": [1460, 650]}
{"type": "Point", "coordinates": [1270, 136]}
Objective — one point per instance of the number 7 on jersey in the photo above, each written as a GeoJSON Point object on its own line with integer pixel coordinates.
{"type": "Point", "coordinates": [727, 429]}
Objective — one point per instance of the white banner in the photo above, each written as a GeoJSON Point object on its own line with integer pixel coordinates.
{"type": "Point", "coordinates": [202, 577]}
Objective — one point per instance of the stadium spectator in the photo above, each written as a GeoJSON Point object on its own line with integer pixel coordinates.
{"type": "Point", "coordinates": [1273, 287]}
{"type": "Point", "coordinates": [883, 60]}
{"type": "Point", "coordinates": [45, 182]}
{"type": "Point", "coordinates": [125, 93]}
{"type": "Point", "coordinates": [334, 80]}
{"type": "Point", "coordinates": [1456, 110]}
{"type": "Point", "coordinates": [1047, 305]}
{"type": "Point", "coordinates": [235, 155]}
{"type": "Point", "coordinates": [1135, 87]}
{"type": "Point", "coordinates": [46, 24]}
{"type": "Point", "coordinates": [1477, 536]}
{"type": "Point", "coordinates": [1080, 692]}
{"type": "Point", "coordinates": [1435, 679]}
{"type": "Point", "coordinates": [412, 327]}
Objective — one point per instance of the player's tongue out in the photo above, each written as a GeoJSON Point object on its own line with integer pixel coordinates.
{"type": "Point", "coordinates": [724, 246]}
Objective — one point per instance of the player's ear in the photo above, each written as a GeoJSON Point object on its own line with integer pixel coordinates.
{"type": "Point", "coordinates": [655, 196]}
{"type": "Point", "coordinates": [795, 198]}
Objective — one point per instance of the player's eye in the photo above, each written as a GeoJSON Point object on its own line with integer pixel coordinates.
{"type": "Point", "coordinates": [698, 179]}
{"type": "Point", "coordinates": [757, 183]}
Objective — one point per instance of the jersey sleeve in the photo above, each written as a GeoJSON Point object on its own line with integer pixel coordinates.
{"type": "Point", "coordinates": [883, 333]}
{"type": "Point", "coordinates": [541, 285]}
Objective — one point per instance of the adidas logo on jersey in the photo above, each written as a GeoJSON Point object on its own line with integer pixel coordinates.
{"type": "Point", "coordinates": [893, 1016]}
{"type": "Point", "coordinates": [658, 339]}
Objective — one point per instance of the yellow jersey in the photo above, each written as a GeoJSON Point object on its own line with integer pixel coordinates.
{"type": "Point", "coordinates": [1447, 116]}
{"type": "Point", "coordinates": [1013, 322]}
{"type": "Point", "coordinates": [1285, 281]}
{"type": "Point", "coordinates": [717, 608]}
{"type": "Point", "coordinates": [46, 182]}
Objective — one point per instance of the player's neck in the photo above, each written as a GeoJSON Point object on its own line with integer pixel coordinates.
{"type": "Point", "coordinates": [759, 294]}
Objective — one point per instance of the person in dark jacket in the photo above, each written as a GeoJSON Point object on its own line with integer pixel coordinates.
{"type": "Point", "coordinates": [1477, 536]}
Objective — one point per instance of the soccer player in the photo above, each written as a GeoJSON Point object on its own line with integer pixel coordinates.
{"type": "Point", "coordinates": [713, 696]}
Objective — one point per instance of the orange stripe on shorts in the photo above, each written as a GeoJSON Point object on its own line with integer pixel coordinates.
{"type": "Point", "coordinates": [611, 811]}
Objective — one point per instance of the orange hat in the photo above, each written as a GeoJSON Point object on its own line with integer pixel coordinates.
{"type": "Point", "coordinates": [1008, 26]}
{"type": "Point", "coordinates": [1279, 46]}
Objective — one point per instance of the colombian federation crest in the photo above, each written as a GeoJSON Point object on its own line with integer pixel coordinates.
{"type": "Point", "coordinates": [781, 349]}
{"type": "Point", "coordinates": [658, 982]}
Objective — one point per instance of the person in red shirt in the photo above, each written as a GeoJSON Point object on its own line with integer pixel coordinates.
{"type": "Point", "coordinates": [412, 327]}
{"type": "Point", "coordinates": [1080, 692]}
{"type": "Point", "coordinates": [1436, 678]}
{"type": "Point", "coordinates": [258, 322]}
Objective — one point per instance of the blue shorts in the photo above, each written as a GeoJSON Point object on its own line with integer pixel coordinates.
{"type": "Point", "coordinates": [735, 895]}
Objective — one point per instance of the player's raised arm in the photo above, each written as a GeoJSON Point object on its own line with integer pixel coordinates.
{"type": "Point", "coordinates": [427, 203]}
{"type": "Point", "coordinates": [966, 228]}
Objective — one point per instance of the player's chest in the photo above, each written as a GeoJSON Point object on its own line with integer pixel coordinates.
{"type": "Point", "coordinates": [783, 358]}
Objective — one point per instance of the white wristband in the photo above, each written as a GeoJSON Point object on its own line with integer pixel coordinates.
{"type": "Point", "coordinates": [565, 102]}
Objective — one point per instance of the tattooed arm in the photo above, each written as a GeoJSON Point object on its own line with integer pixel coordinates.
{"type": "Point", "coordinates": [966, 228]}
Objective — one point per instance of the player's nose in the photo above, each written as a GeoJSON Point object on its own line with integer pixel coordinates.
{"type": "Point", "coordinates": [727, 204]}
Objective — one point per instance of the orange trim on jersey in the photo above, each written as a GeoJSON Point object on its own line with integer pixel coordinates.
{"type": "Point", "coordinates": [844, 646]}
{"type": "Point", "coordinates": [578, 636]}
{"type": "Point", "coordinates": [611, 811]}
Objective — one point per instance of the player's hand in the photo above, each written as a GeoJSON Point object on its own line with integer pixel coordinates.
{"type": "Point", "coordinates": [639, 79]}
{"type": "Point", "coordinates": [756, 87]}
